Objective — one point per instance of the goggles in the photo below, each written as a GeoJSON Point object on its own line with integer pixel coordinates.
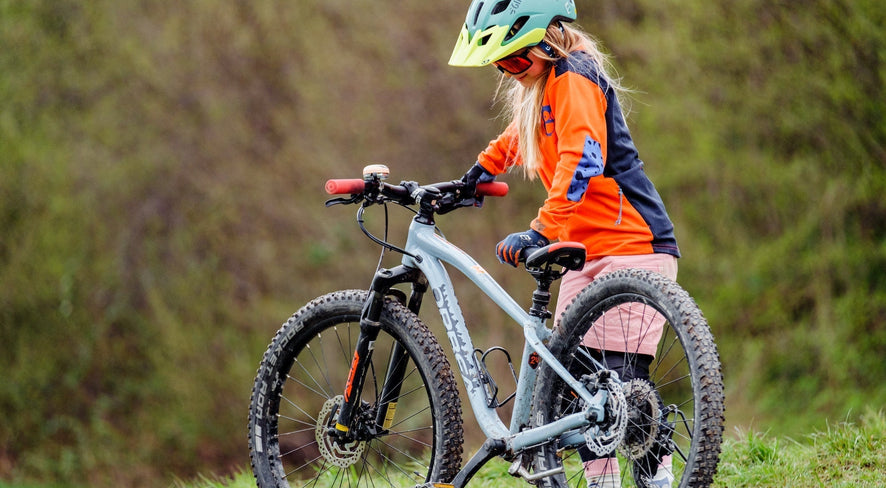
{"type": "Point", "coordinates": [515, 63]}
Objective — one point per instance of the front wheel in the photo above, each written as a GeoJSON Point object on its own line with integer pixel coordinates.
{"type": "Point", "coordinates": [406, 439]}
{"type": "Point", "coordinates": [647, 329]}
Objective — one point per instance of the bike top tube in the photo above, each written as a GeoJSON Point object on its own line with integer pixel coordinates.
{"type": "Point", "coordinates": [425, 243]}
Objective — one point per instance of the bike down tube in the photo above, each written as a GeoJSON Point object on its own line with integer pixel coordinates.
{"type": "Point", "coordinates": [424, 241]}
{"type": "Point", "coordinates": [429, 244]}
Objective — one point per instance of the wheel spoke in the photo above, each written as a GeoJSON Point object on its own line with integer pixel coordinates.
{"type": "Point", "coordinates": [293, 404]}
{"type": "Point", "coordinates": [322, 394]}
{"type": "Point", "coordinates": [414, 440]}
{"type": "Point", "coordinates": [402, 453]}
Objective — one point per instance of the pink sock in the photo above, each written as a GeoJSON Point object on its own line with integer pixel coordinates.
{"type": "Point", "coordinates": [600, 467]}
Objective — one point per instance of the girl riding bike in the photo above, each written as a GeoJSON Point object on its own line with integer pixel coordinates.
{"type": "Point", "coordinates": [355, 389]}
{"type": "Point", "coordinates": [568, 129]}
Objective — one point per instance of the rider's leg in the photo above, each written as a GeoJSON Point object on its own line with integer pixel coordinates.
{"type": "Point", "coordinates": [604, 472]}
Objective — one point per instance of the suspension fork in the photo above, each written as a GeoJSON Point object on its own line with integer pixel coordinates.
{"type": "Point", "coordinates": [370, 326]}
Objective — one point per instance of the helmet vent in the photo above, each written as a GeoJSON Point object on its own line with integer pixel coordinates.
{"type": "Point", "coordinates": [500, 6]}
{"type": "Point", "coordinates": [477, 12]}
{"type": "Point", "coordinates": [515, 28]}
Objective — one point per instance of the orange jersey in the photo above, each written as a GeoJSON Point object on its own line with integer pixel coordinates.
{"type": "Point", "coordinates": [598, 192]}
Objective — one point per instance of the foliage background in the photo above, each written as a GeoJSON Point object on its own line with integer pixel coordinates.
{"type": "Point", "coordinates": [161, 171]}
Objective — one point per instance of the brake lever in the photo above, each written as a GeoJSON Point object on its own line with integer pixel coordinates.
{"type": "Point", "coordinates": [344, 201]}
{"type": "Point", "coordinates": [458, 200]}
{"type": "Point", "coordinates": [447, 205]}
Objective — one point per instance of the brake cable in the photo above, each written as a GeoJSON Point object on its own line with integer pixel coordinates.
{"type": "Point", "coordinates": [382, 242]}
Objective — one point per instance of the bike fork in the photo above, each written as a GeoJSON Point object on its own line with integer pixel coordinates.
{"type": "Point", "coordinates": [370, 326]}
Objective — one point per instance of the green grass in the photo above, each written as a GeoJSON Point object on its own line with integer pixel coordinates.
{"type": "Point", "coordinates": [241, 480]}
{"type": "Point", "coordinates": [843, 455]}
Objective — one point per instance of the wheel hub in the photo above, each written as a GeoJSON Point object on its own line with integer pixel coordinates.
{"type": "Point", "coordinates": [341, 455]}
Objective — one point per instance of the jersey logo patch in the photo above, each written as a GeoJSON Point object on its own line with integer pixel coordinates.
{"type": "Point", "coordinates": [547, 120]}
{"type": "Point", "coordinates": [590, 165]}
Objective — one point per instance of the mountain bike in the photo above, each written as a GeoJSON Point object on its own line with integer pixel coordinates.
{"type": "Point", "coordinates": [354, 389]}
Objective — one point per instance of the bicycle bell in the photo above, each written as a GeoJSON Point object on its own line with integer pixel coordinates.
{"type": "Point", "coordinates": [379, 171]}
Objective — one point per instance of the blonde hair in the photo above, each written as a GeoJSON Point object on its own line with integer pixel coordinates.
{"type": "Point", "coordinates": [523, 104]}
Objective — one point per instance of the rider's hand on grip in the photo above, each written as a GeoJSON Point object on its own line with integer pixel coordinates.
{"type": "Point", "coordinates": [476, 175]}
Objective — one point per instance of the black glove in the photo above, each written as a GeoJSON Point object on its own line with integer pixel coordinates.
{"type": "Point", "coordinates": [509, 249]}
{"type": "Point", "coordinates": [477, 174]}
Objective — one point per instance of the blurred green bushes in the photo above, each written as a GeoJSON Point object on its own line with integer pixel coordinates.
{"type": "Point", "coordinates": [161, 171]}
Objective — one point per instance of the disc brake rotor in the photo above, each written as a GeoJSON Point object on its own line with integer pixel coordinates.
{"type": "Point", "coordinates": [602, 439]}
{"type": "Point", "coordinates": [332, 451]}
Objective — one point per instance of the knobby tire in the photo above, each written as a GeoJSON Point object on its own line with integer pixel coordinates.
{"type": "Point", "coordinates": [304, 371]}
{"type": "Point", "coordinates": [685, 374]}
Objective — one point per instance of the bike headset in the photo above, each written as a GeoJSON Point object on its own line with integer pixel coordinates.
{"type": "Point", "coordinates": [494, 30]}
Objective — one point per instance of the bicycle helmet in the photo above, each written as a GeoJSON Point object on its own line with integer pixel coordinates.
{"type": "Point", "coordinates": [494, 29]}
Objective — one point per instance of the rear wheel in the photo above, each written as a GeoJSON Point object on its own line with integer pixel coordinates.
{"type": "Point", "coordinates": [648, 329]}
{"type": "Point", "coordinates": [298, 390]}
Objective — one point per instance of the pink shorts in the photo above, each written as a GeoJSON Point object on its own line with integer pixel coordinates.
{"type": "Point", "coordinates": [637, 330]}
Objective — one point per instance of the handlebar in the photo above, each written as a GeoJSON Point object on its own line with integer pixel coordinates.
{"type": "Point", "coordinates": [433, 199]}
{"type": "Point", "coordinates": [356, 186]}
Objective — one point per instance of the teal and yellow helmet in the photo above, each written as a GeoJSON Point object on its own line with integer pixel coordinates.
{"type": "Point", "coordinates": [494, 29]}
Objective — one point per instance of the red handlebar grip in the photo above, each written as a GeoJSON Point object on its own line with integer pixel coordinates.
{"type": "Point", "coordinates": [492, 189]}
{"type": "Point", "coordinates": [355, 186]}
{"type": "Point", "coordinates": [344, 187]}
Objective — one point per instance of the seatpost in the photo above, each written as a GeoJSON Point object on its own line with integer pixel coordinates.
{"type": "Point", "coordinates": [540, 264]}
{"type": "Point", "coordinates": [541, 297]}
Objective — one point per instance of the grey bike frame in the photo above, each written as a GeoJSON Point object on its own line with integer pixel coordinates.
{"type": "Point", "coordinates": [430, 251]}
